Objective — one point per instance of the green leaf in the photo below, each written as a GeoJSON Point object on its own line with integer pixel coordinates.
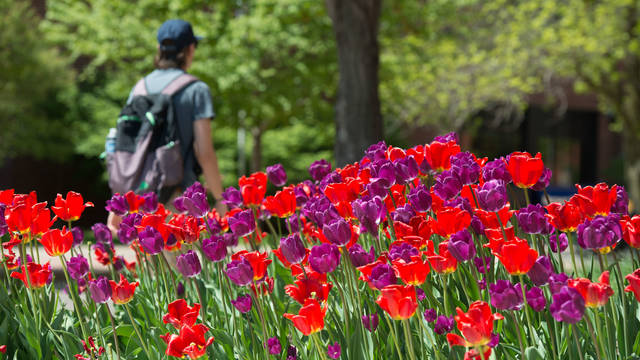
{"type": "Point", "coordinates": [533, 353]}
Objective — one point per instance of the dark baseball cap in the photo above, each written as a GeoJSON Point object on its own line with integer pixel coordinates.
{"type": "Point", "coordinates": [179, 31]}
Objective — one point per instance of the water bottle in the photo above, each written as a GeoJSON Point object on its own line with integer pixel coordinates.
{"type": "Point", "coordinates": [110, 143]}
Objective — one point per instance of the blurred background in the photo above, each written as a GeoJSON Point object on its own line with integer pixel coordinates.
{"type": "Point", "coordinates": [298, 80]}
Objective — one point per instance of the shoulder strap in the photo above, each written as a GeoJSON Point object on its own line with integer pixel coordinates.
{"type": "Point", "coordinates": [178, 83]}
{"type": "Point", "coordinates": [140, 88]}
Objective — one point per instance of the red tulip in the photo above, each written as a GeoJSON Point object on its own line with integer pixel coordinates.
{"type": "Point", "coordinates": [71, 208]}
{"type": "Point", "coordinates": [307, 288]}
{"type": "Point", "coordinates": [489, 219]}
{"type": "Point", "coordinates": [6, 196]}
{"type": "Point", "coordinates": [565, 217]}
{"type": "Point", "coordinates": [439, 154]}
{"type": "Point", "coordinates": [258, 261]}
{"type": "Point", "coordinates": [524, 169]}
{"type": "Point", "coordinates": [516, 256]}
{"type": "Point", "coordinates": [631, 231]}
{"type": "Point", "coordinates": [122, 292]}
{"type": "Point", "coordinates": [476, 326]}
{"type": "Point", "coordinates": [189, 343]}
{"type": "Point", "coordinates": [40, 219]}
{"type": "Point", "coordinates": [134, 201]}
{"type": "Point", "coordinates": [444, 262]}
{"type": "Point", "coordinates": [38, 275]}
{"type": "Point", "coordinates": [634, 283]}
{"type": "Point", "coordinates": [450, 221]}
{"type": "Point", "coordinates": [184, 228]}
{"type": "Point", "coordinates": [595, 200]}
{"type": "Point", "coordinates": [398, 301]}
{"type": "Point", "coordinates": [179, 314]}
{"type": "Point", "coordinates": [310, 318]}
{"type": "Point", "coordinates": [413, 273]}
{"type": "Point", "coordinates": [253, 188]}
{"type": "Point", "coordinates": [57, 242]}
{"type": "Point", "coordinates": [3, 349]}
{"type": "Point", "coordinates": [19, 218]}
{"type": "Point", "coordinates": [594, 294]}
{"type": "Point", "coordinates": [282, 204]}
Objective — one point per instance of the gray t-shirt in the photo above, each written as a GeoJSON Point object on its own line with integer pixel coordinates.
{"type": "Point", "coordinates": [191, 103]}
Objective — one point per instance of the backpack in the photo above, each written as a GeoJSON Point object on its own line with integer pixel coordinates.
{"type": "Point", "coordinates": [147, 155]}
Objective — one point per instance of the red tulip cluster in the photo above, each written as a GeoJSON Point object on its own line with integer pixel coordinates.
{"type": "Point", "coordinates": [190, 341]}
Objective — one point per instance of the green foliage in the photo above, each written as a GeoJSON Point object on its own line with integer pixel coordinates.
{"type": "Point", "coordinates": [35, 84]}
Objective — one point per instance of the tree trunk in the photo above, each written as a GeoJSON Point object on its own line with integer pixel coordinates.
{"type": "Point", "coordinates": [256, 153]}
{"type": "Point", "coordinates": [358, 119]}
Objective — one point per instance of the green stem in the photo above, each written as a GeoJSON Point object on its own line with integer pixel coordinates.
{"type": "Point", "coordinates": [573, 256]}
{"type": "Point", "coordinates": [73, 297]}
{"type": "Point", "coordinates": [113, 327]}
{"type": "Point", "coordinates": [407, 335]}
{"type": "Point", "coordinates": [135, 327]}
{"type": "Point", "coordinates": [600, 337]}
{"type": "Point", "coordinates": [526, 310]}
{"type": "Point", "coordinates": [575, 338]}
{"type": "Point", "coordinates": [395, 338]}
{"type": "Point", "coordinates": [526, 196]}
{"type": "Point", "coordinates": [317, 342]}
{"type": "Point", "coordinates": [515, 324]}
{"type": "Point", "coordinates": [195, 285]}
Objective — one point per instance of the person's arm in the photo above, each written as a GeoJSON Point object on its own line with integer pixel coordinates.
{"type": "Point", "coordinates": [206, 156]}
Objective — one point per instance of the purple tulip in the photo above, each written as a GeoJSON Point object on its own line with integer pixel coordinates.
{"type": "Point", "coordinates": [385, 171]}
{"type": "Point", "coordinates": [193, 201]}
{"type": "Point", "coordinates": [214, 248]}
{"type": "Point", "coordinates": [370, 213]}
{"type": "Point", "coordinates": [601, 232]}
{"type": "Point", "coordinates": [447, 185]}
{"type": "Point", "coordinates": [232, 197]}
{"type": "Point", "coordinates": [230, 239]}
{"type": "Point", "coordinates": [420, 198]}
{"type": "Point", "coordinates": [319, 169]}
{"type": "Point", "coordinates": [482, 284]}
{"type": "Point", "coordinates": [303, 191]}
{"type": "Point", "coordinates": [544, 180]}
{"type": "Point", "coordinates": [376, 152]}
{"type": "Point", "coordinates": [506, 296]}
{"type": "Point", "coordinates": [180, 289]}
{"type": "Point", "coordinates": [540, 271]}
{"type": "Point", "coordinates": [189, 264]}
{"type": "Point", "coordinates": [403, 251]}
{"type": "Point", "coordinates": [557, 281]}
{"type": "Point", "coordinates": [292, 248]}
{"type": "Point", "coordinates": [430, 315]}
{"type": "Point", "coordinates": [127, 231]}
{"type": "Point", "coordinates": [483, 264]}
{"type": "Point", "coordinates": [567, 305]}
{"type": "Point", "coordinates": [292, 353]}
{"type": "Point", "coordinates": [370, 322]}
{"type": "Point", "coordinates": [621, 205]}
{"type": "Point", "coordinates": [334, 350]}
{"type": "Point", "coordinates": [337, 232]}
{"type": "Point", "coordinates": [406, 169]}
{"type": "Point", "coordinates": [151, 240]}
{"type": "Point", "coordinates": [378, 187]}
{"type": "Point", "coordinates": [78, 267]}
{"type": "Point", "coordinates": [492, 195]}
{"type": "Point", "coordinates": [461, 245]}
{"type": "Point", "coordinates": [117, 205]}
{"type": "Point", "coordinates": [331, 178]}
{"type": "Point", "coordinates": [558, 243]}
{"type": "Point", "coordinates": [382, 275]}
{"type": "Point", "coordinates": [320, 210]}
{"type": "Point", "coordinates": [403, 213]}
{"type": "Point", "coordinates": [242, 303]}
{"type": "Point", "coordinates": [464, 166]}
{"type": "Point", "coordinates": [240, 272]}
{"type": "Point", "coordinates": [324, 258]}
{"type": "Point", "coordinates": [277, 175]}
{"type": "Point", "coordinates": [460, 203]}
{"type": "Point", "coordinates": [495, 340]}
{"type": "Point", "coordinates": [4, 228]}
{"type": "Point", "coordinates": [102, 234]}
{"type": "Point", "coordinates": [443, 324]}
{"type": "Point", "coordinates": [359, 257]}
{"type": "Point", "coordinates": [78, 234]}
{"type": "Point", "coordinates": [496, 170]}
{"type": "Point", "coordinates": [532, 220]}
{"type": "Point", "coordinates": [536, 299]}
{"type": "Point", "coordinates": [476, 225]}
{"type": "Point", "coordinates": [242, 223]}
{"type": "Point", "coordinates": [100, 290]}
{"type": "Point", "coordinates": [420, 295]}
{"type": "Point", "coordinates": [273, 344]}
{"type": "Point", "coordinates": [150, 204]}
{"type": "Point", "coordinates": [452, 136]}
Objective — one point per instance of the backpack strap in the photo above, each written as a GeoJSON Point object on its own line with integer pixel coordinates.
{"type": "Point", "coordinates": [140, 88]}
{"type": "Point", "coordinates": [178, 83]}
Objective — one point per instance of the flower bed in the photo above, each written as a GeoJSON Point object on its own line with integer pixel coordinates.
{"type": "Point", "coordinates": [428, 252]}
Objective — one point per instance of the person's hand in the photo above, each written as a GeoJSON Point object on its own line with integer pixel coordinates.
{"type": "Point", "coordinates": [113, 223]}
